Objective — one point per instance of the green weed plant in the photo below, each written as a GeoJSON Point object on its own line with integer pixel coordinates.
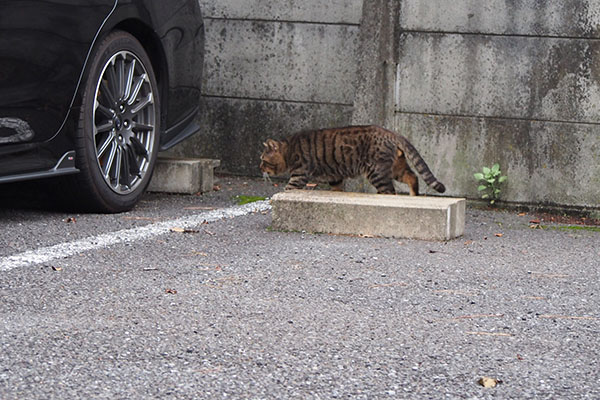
{"type": "Point", "coordinates": [490, 180]}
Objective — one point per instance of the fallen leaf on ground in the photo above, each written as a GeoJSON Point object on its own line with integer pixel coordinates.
{"type": "Point", "coordinates": [534, 221]}
{"type": "Point", "coordinates": [171, 291]}
{"type": "Point", "coordinates": [522, 214]}
{"type": "Point", "coordinates": [56, 268]}
{"type": "Point", "coordinates": [183, 230]}
{"type": "Point", "coordinates": [216, 188]}
{"type": "Point", "coordinates": [70, 220]}
{"type": "Point", "coordinates": [311, 185]}
{"type": "Point", "coordinates": [488, 382]}
{"type": "Point", "coordinates": [499, 234]}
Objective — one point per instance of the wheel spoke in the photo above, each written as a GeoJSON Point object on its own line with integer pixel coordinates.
{"type": "Point", "coordinates": [137, 86]}
{"type": "Point", "coordinates": [134, 168]}
{"type": "Point", "coordinates": [107, 94]}
{"type": "Point", "coordinates": [140, 127]}
{"type": "Point", "coordinates": [107, 112]}
{"type": "Point", "coordinates": [125, 167]}
{"type": "Point", "coordinates": [129, 79]}
{"type": "Point", "coordinates": [120, 67]}
{"type": "Point", "coordinates": [109, 140]}
{"type": "Point", "coordinates": [112, 81]}
{"type": "Point", "coordinates": [138, 147]}
{"type": "Point", "coordinates": [143, 103]}
{"type": "Point", "coordinates": [118, 162]}
{"type": "Point", "coordinates": [110, 161]}
{"type": "Point", "coordinates": [107, 126]}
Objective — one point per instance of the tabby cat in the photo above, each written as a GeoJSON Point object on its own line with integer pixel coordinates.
{"type": "Point", "coordinates": [331, 155]}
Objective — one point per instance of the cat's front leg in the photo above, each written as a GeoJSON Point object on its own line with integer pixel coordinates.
{"type": "Point", "coordinates": [337, 185]}
{"type": "Point", "coordinates": [297, 182]}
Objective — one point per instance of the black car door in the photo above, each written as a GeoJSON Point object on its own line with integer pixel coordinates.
{"type": "Point", "coordinates": [43, 48]}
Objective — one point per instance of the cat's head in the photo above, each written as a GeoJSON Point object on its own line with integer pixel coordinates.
{"type": "Point", "coordinates": [272, 160]}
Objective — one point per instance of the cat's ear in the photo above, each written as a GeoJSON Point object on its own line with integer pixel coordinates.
{"type": "Point", "coordinates": [271, 144]}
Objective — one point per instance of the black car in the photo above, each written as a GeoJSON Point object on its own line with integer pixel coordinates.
{"type": "Point", "coordinates": [92, 90]}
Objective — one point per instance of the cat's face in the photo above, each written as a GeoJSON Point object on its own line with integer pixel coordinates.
{"type": "Point", "coordinates": [272, 160]}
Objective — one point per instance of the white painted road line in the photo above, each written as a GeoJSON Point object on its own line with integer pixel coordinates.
{"type": "Point", "coordinates": [63, 250]}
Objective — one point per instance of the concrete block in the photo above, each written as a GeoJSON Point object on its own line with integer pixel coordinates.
{"type": "Point", "coordinates": [189, 175]}
{"type": "Point", "coordinates": [426, 218]}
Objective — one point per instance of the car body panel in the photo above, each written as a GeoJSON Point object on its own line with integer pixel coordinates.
{"type": "Point", "coordinates": [43, 51]}
{"type": "Point", "coordinates": [43, 47]}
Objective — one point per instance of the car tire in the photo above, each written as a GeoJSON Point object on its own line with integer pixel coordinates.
{"type": "Point", "coordinates": [117, 136]}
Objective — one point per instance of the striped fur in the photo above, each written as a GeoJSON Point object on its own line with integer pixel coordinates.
{"type": "Point", "coordinates": [331, 155]}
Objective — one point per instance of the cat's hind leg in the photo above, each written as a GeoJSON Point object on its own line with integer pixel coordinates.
{"type": "Point", "coordinates": [402, 173]}
{"type": "Point", "coordinates": [411, 180]}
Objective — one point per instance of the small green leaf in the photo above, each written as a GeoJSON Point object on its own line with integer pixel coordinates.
{"type": "Point", "coordinates": [486, 170]}
{"type": "Point", "coordinates": [242, 199]}
{"type": "Point", "coordinates": [478, 176]}
{"type": "Point", "coordinates": [491, 180]}
{"type": "Point", "coordinates": [492, 201]}
{"type": "Point", "coordinates": [502, 178]}
{"type": "Point", "coordinates": [496, 192]}
{"type": "Point", "coordinates": [481, 187]}
{"type": "Point", "coordinates": [485, 196]}
{"type": "Point", "coordinates": [496, 167]}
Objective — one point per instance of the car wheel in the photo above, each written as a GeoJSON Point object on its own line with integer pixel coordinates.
{"type": "Point", "coordinates": [119, 124]}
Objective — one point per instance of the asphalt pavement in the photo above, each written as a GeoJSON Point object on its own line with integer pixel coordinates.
{"type": "Point", "coordinates": [224, 307]}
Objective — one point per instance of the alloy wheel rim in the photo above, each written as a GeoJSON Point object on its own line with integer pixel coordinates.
{"type": "Point", "coordinates": [124, 122]}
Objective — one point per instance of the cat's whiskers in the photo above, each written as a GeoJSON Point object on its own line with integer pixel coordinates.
{"type": "Point", "coordinates": [267, 178]}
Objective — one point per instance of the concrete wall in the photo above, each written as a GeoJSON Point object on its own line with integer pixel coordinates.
{"type": "Point", "coordinates": [470, 82]}
{"type": "Point", "coordinates": [514, 82]}
{"type": "Point", "coordinates": [273, 68]}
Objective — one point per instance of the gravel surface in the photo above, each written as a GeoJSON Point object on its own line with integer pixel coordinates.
{"type": "Point", "coordinates": [236, 310]}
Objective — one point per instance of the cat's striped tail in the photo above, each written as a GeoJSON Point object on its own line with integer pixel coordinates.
{"type": "Point", "coordinates": [419, 164]}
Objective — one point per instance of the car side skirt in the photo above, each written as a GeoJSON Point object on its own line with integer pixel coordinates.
{"type": "Point", "coordinates": [65, 166]}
